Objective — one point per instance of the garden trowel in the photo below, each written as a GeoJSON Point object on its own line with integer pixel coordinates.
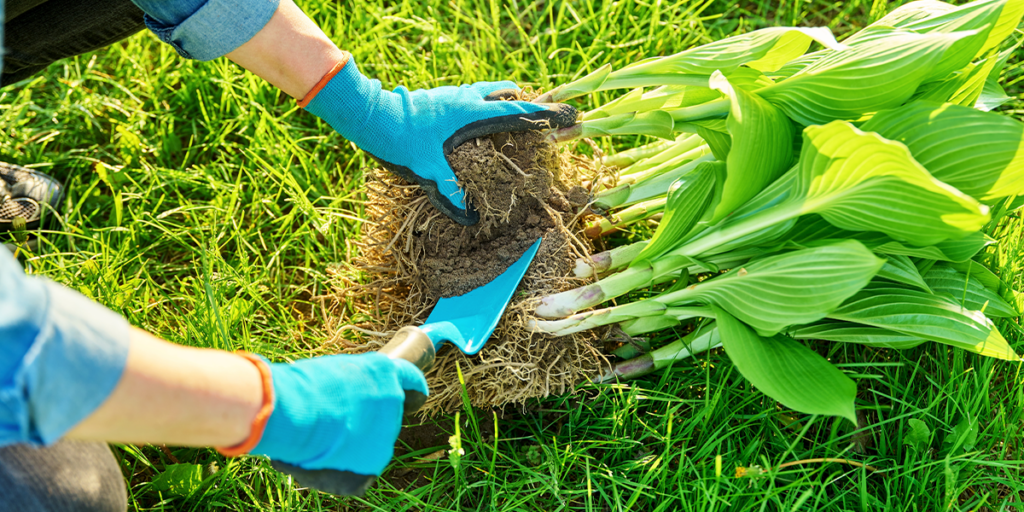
{"type": "Point", "coordinates": [466, 321]}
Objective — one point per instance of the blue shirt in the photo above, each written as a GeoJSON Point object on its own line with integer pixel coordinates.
{"type": "Point", "coordinates": [206, 29]}
{"type": "Point", "coordinates": [61, 354]}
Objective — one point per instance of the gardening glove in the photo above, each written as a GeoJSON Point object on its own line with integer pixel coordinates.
{"type": "Point", "coordinates": [412, 133]}
{"type": "Point", "coordinates": [340, 412]}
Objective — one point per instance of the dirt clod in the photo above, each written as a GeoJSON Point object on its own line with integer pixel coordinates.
{"type": "Point", "coordinates": [411, 255]}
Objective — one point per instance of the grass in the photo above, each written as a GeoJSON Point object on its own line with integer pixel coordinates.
{"type": "Point", "coordinates": [205, 207]}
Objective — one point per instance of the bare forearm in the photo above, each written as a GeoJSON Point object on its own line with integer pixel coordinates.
{"type": "Point", "coordinates": [171, 394]}
{"type": "Point", "coordinates": [291, 52]}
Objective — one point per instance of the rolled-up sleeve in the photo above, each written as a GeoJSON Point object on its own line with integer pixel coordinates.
{"type": "Point", "coordinates": [61, 355]}
{"type": "Point", "coordinates": [206, 29]}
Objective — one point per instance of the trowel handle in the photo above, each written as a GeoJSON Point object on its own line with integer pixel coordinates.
{"type": "Point", "coordinates": [409, 343]}
{"type": "Point", "coordinates": [413, 345]}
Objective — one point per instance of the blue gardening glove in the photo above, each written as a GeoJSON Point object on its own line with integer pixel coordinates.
{"type": "Point", "coordinates": [411, 133]}
{"type": "Point", "coordinates": [339, 412]}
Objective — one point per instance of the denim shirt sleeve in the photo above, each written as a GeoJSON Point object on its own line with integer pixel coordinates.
{"type": "Point", "coordinates": [206, 29]}
{"type": "Point", "coordinates": [61, 355]}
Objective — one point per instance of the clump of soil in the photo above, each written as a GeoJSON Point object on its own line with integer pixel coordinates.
{"type": "Point", "coordinates": [410, 255]}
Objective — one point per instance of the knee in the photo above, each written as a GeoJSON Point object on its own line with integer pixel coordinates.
{"type": "Point", "coordinates": [69, 475]}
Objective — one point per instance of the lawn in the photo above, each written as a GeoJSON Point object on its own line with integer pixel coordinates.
{"type": "Point", "coordinates": [206, 207]}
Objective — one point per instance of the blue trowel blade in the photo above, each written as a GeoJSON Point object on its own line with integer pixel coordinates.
{"type": "Point", "coordinates": [468, 320]}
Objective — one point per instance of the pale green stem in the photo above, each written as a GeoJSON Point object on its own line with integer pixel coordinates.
{"type": "Point", "coordinates": [627, 81]}
{"type": "Point", "coordinates": [608, 260]}
{"type": "Point", "coordinates": [701, 340]}
{"type": "Point", "coordinates": [568, 302]}
{"type": "Point", "coordinates": [602, 226]}
{"type": "Point", "coordinates": [717, 108]}
{"type": "Point", "coordinates": [655, 184]}
{"type": "Point", "coordinates": [624, 159]}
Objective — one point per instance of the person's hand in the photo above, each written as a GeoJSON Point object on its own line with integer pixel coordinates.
{"type": "Point", "coordinates": [411, 133]}
{"type": "Point", "coordinates": [340, 412]}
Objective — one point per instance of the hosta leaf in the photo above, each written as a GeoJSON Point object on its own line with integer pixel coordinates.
{"type": "Point", "coordinates": [980, 272]}
{"type": "Point", "coordinates": [862, 182]}
{"type": "Point", "coordinates": [910, 13]}
{"type": "Point", "coordinates": [798, 287]}
{"type": "Point", "coordinates": [963, 87]}
{"type": "Point", "coordinates": [787, 371]}
{"type": "Point", "coordinates": [688, 198]}
{"type": "Point", "coordinates": [900, 269]}
{"type": "Point", "coordinates": [766, 48]}
{"type": "Point", "coordinates": [948, 250]}
{"type": "Point", "coordinates": [719, 142]}
{"type": "Point", "coordinates": [762, 146]}
{"type": "Point", "coordinates": [811, 229]}
{"type": "Point", "coordinates": [847, 332]}
{"type": "Point", "coordinates": [979, 153]}
{"type": "Point", "coordinates": [874, 74]}
{"type": "Point", "coordinates": [968, 292]}
{"type": "Point", "coordinates": [664, 97]}
{"type": "Point", "coordinates": [990, 21]}
{"type": "Point", "coordinates": [925, 316]}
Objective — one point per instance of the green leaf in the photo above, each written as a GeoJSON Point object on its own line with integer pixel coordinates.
{"type": "Point", "coordinates": [979, 153]}
{"type": "Point", "coordinates": [918, 435]}
{"type": "Point", "coordinates": [900, 269]}
{"type": "Point", "coordinates": [968, 292]}
{"type": "Point", "coordinates": [987, 19]}
{"type": "Point", "coordinates": [179, 479]}
{"type": "Point", "coordinates": [925, 316]}
{"type": "Point", "coordinates": [762, 146]}
{"type": "Point", "coordinates": [964, 435]}
{"type": "Point", "coordinates": [862, 182]}
{"type": "Point", "coordinates": [664, 97]}
{"type": "Point", "coordinates": [874, 74]}
{"type": "Point", "coordinates": [720, 142]}
{"type": "Point", "coordinates": [688, 198]}
{"type": "Point", "coordinates": [765, 49]}
{"type": "Point", "coordinates": [787, 371]}
{"type": "Point", "coordinates": [948, 250]}
{"type": "Point", "coordinates": [775, 292]}
{"type": "Point", "coordinates": [910, 13]}
{"type": "Point", "coordinates": [848, 332]}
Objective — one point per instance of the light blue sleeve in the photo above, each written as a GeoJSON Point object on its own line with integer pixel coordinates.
{"type": "Point", "coordinates": [61, 355]}
{"type": "Point", "coordinates": [206, 29]}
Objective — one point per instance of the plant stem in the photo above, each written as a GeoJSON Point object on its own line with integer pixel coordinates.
{"type": "Point", "coordinates": [602, 226]}
{"type": "Point", "coordinates": [568, 302]}
{"type": "Point", "coordinates": [717, 108]}
{"type": "Point", "coordinates": [624, 159]}
{"type": "Point", "coordinates": [628, 80]}
{"type": "Point", "coordinates": [608, 260]}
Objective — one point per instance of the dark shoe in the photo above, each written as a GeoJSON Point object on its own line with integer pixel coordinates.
{"type": "Point", "coordinates": [27, 195]}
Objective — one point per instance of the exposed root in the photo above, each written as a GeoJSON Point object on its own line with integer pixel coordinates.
{"type": "Point", "coordinates": [409, 256]}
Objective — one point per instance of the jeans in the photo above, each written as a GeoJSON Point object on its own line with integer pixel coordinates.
{"type": "Point", "coordinates": [68, 476]}
{"type": "Point", "coordinates": [40, 32]}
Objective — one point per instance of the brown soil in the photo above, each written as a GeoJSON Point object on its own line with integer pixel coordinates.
{"type": "Point", "coordinates": [510, 181]}
{"type": "Point", "coordinates": [410, 255]}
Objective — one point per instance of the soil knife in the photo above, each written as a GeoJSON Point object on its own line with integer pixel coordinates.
{"type": "Point", "coordinates": [467, 321]}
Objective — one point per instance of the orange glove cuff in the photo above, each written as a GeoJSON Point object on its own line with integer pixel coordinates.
{"type": "Point", "coordinates": [260, 421]}
{"type": "Point", "coordinates": [326, 78]}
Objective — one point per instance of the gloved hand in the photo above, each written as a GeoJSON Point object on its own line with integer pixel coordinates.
{"type": "Point", "coordinates": [339, 412]}
{"type": "Point", "coordinates": [411, 133]}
